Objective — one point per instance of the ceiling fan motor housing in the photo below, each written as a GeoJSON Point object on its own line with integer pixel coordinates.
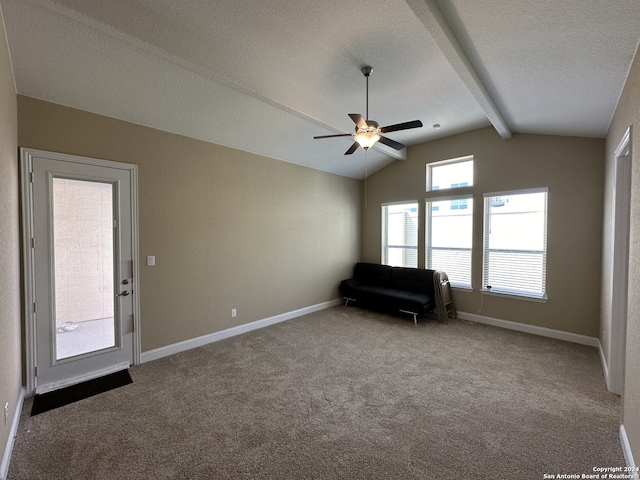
{"type": "Point", "coordinates": [372, 127]}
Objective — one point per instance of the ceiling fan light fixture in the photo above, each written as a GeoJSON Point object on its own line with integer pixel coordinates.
{"type": "Point", "coordinates": [366, 139]}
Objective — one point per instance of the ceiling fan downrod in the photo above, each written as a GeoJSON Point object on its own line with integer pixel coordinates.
{"type": "Point", "coordinates": [366, 71]}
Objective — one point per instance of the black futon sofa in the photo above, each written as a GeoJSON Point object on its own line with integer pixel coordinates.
{"type": "Point", "coordinates": [408, 290]}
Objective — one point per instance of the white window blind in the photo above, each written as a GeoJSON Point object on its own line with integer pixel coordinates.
{"type": "Point", "coordinates": [515, 242]}
{"type": "Point", "coordinates": [400, 234]}
{"type": "Point", "coordinates": [449, 237]}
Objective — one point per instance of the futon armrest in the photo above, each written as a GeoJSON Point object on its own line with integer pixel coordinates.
{"type": "Point", "coordinates": [350, 283]}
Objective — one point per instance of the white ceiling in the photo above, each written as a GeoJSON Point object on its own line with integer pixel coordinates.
{"type": "Point", "coordinates": [268, 76]}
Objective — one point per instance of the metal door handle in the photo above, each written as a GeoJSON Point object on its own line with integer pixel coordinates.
{"type": "Point", "coordinates": [123, 294]}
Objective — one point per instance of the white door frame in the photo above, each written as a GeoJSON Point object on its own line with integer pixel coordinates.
{"type": "Point", "coordinates": [620, 263]}
{"type": "Point", "coordinates": [26, 161]}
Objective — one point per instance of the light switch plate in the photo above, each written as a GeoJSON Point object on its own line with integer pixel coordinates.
{"type": "Point", "coordinates": [151, 261]}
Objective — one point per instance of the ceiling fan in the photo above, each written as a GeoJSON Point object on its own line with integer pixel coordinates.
{"type": "Point", "coordinates": [368, 132]}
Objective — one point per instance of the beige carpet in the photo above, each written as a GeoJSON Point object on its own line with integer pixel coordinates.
{"type": "Point", "coordinates": [344, 393]}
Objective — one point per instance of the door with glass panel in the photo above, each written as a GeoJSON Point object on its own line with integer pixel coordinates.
{"type": "Point", "coordinates": [83, 269]}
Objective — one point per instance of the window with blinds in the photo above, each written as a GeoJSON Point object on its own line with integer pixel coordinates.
{"type": "Point", "coordinates": [449, 237]}
{"type": "Point", "coordinates": [515, 243]}
{"type": "Point", "coordinates": [400, 235]}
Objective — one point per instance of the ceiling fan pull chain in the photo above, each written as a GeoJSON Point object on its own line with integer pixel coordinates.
{"type": "Point", "coordinates": [366, 175]}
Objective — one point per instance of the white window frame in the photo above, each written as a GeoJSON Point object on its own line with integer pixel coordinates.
{"type": "Point", "coordinates": [442, 163]}
{"type": "Point", "coordinates": [428, 230]}
{"type": "Point", "coordinates": [515, 293]}
{"type": "Point", "coordinates": [384, 252]}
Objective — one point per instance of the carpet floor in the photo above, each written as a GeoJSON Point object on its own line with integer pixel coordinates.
{"type": "Point", "coordinates": [343, 393]}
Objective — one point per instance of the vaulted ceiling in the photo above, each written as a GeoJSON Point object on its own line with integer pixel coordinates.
{"type": "Point", "coordinates": [268, 76]}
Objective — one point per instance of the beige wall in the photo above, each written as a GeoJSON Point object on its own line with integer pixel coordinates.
{"type": "Point", "coordinates": [229, 229]}
{"type": "Point", "coordinates": [571, 167]}
{"type": "Point", "coordinates": [10, 306]}
{"type": "Point", "coordinates": [628, 114]}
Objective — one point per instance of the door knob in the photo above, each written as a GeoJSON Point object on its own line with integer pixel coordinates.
{"type": "Point", "coordinates": [123, 294]}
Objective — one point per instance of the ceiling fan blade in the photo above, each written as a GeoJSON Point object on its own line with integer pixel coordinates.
{"type": "Point", "coordinates": [391, 143]}
{"type": "Point", "coordinates": [401, 126]}
{"type": "Point", "coordinates": [333, 136]}
{"type": "Point", "coordinates": [352, 148]}
{"type": "Point", "coordinates": [358, 120]}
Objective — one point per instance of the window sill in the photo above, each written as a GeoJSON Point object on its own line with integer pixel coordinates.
{"type": "Point", "coordinates": [493, 293]}
{"type": "Point", "coordinates": [461, 288]}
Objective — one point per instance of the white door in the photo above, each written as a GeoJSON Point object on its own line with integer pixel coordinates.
{"type": "Point", "coordinates": [82, 252]}
{"type": "Point", "coordinates": [620, 274]}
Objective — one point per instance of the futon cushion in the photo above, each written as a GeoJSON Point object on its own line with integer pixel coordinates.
{"type": "Point", "coordinates": [373, 274]}
{"type": "Point", "coordinates": [413, 280]}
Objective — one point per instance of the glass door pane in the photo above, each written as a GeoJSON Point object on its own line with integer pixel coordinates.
{"type": "Point", "coordinates": [84, 267]}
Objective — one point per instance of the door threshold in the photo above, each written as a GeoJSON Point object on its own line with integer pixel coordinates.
{"type": "Point", "coordinates": [50, 387]}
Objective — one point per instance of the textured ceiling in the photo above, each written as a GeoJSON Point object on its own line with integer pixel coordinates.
{"type": "Point", "coordinates": [266, 77]}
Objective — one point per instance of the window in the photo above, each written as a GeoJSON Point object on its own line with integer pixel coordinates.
{"type": "Point", "coordinates": [449, 237]}
{"type": "Point", "coordinates": [515, 242]}
{"type": "Point", "coordinates": [449, 220]}
{"type": "Point", "coordinates": [455, 173]}
{"type": "Point", "coordinates": [400, 235]}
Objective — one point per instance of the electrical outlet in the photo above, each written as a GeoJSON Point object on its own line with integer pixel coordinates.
{"type": "Point", "coordinates": [233, 313]}
{"type": "Point", "coordinates": [6, 413]}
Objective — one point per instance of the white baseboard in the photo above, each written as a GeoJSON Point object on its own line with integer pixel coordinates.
{"type": "Point", "coordinates": [230, 332]}
{"type": "Point", "coordinates": [626, 448]}
{"type": "Point", "coordinates": [6, 458]}
{"type": "Point", "coordinates": [533, 329]}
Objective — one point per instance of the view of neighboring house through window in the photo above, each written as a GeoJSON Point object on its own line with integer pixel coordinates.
{"type": "Point", "coordinates": [449, 237]}
{"type": "Point", "coordinates": [449, 220]}
{"type": "Point", "coordinates": [400, 234]}
{"type": "Point", "coordinates": [454, 173]}
{"type": "Point", "coordinates": [515, 242]}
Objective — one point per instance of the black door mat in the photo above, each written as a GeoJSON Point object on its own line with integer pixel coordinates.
{"type": "Point", "coordinates": [58, 398]}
